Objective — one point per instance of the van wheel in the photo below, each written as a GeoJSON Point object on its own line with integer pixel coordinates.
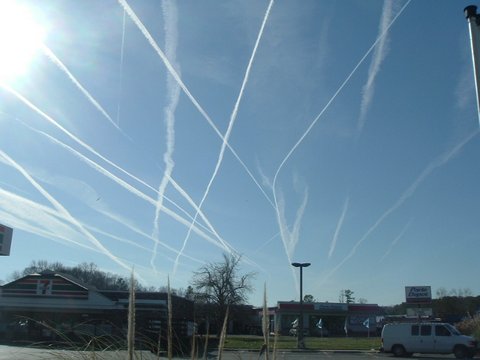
{"type": "Point", "coordinates": [460, 352]}
{"type": "Point", "coordinates": [398, 351]}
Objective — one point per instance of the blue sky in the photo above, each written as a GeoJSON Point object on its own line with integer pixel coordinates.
{"type": "Point", "coordinates": [159, 135]}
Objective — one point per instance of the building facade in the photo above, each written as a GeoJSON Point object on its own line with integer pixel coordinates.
{"type": "Point", "coordinates": [327, 319]}
{"type": "Point", "coordinates": [53, 307]}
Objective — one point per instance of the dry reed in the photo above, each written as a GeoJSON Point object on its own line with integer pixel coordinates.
{"type": "Point", "coordinates": [131, 319]}
{"type": "Point", "coordinates": [223, 336]}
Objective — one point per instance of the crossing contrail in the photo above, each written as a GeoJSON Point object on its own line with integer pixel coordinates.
{"type": "Point", "coordinates": [15, 208]}
{"type": "Point", "coordinates": [93, 151]}
{"type": "Point", "coordinates": [22, 213]}
{"type": "Point", "coordinates": [344, 83]}
{"type": "Point", "coordinates": [290, 238]}
{"type": "Point", "coordinates": [184, 88]}
{"type": "Point", "coordinates": [63, 210]}
{"type": "Point", "coordinates": [49, 216]}
{"type": "Point", "coordinates": [334, 96]}
{"type": "Point", "coordinates": [38, 219]}
{"type": "Point", "coordinates": [233, 117]}
{"type": "Point", "coordinates": [435, 164]}
{"type": "Point", "coordinates": [129, 187]}
{"type": "Point", "coordinates": [170, 15]}
{"type": "Point", "coordinates": [136, 230]}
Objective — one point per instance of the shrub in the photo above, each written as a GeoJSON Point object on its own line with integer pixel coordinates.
{"type": "Point", "coordinates": [470, 326]}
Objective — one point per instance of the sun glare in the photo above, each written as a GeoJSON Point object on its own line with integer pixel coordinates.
{"type": "Point", "coordinates": [20, 38]}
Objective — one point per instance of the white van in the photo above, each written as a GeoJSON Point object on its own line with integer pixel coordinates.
{"type": "Point", "coordinates": [404, 339]}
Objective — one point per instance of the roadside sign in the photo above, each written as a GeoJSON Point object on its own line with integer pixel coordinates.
{"type": "Point", "coordinates": [418, 294]}
{"type": "Point", "coordinates": [5, 240]}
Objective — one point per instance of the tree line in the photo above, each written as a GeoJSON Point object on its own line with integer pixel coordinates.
{"type": "Point", "coordinates": [219, 286]}
{"type": "Point", "coordinates": [89, 274]}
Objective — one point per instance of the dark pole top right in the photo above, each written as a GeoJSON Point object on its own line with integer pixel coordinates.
{"type": "Point", "coordinates": [470, 11]}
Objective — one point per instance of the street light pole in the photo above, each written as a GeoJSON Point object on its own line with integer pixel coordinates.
{"type": "Point", "coordinates": [300, 343]}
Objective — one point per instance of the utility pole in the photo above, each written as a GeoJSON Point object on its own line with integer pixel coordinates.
{"type": "Point", "coordinates": [473, 25]}
{"type": "Point", "coordinates": [300, 342]}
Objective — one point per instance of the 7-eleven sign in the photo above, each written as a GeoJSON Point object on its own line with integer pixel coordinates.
{"type": "Point", "coordinates": [5, 239]}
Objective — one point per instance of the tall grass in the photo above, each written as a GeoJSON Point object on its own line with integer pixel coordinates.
{"type": "Point", "coordinates": [193, 351]}
{"type": "Point", "coordinates": [169, 327]}
{"type": "Point", "coordinates": [131, 319]}
{"type": "Point", "coordinates": [205, 349]}
{"type": "Point", "coordinates": [265, 325]}
{"type": "Point", "coordinates": [223, 335]}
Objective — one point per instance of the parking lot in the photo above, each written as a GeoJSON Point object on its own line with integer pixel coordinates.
{"type": "Point", "coordinates": [24, 353]}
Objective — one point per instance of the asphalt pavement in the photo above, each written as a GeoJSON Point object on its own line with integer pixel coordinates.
{"type": "Point", "coordinates": [26, 353]}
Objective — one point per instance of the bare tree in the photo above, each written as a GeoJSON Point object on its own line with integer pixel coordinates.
{"type": "Point", "coordinates": [221, 285]}
{"type": "Point", "coordinates": [441, 292]}
{"type": "Point", "coordinates": [309, 298]}
{"type": "Point", "coordinates": [346, 296]}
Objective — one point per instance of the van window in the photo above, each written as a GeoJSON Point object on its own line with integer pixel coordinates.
{"type": "Point", "coordinates": [415, 330]}
{"type": "Point", "coordinates": [425, 330]}
{"type": "Point", "coordinates": [452, 329]}
{"type": "Point", "coordinates": [441, 330]}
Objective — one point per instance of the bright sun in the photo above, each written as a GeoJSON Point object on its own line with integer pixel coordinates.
{"type": "Point", "coordinates": [20, 38]}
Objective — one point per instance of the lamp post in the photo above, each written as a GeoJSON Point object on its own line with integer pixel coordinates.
{"type": "Point", "coordinates": [300, 343]}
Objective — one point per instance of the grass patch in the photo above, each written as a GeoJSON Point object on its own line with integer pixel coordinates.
{"type": "Point", "coordinates": [313, 343]}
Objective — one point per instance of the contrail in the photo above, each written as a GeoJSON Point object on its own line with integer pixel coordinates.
{"type": "Point", "coordinates": [170, 15]}
{"type": "Point", "coordinates": [184, 88]}
{"type": "Point", "coordinates": [17, 208]}
{"type": "Point", "coordinates": [22, 212]}
{"type": "Point", "coordinates": [290, 238]}
{"type": "Point", "coordinates": [339, 226]}
{"type": "Point", "coordinates": [394, 242]}
{"type": "Point", "coordinates": [435, 164]}
{"type": "Point", "coordinates": [26, 212]}
{"type": "Point", "coordinates": [49, 53]}
{"type": "Point", "coordinates": [90, 149]}
{"type": "Point", "coordinates": [347, 79]}
{"type": "Point", "coordinates": [122, 221]}
{"type": "Point", "coordinates": [191, 202]}
{"type": "Point", "coordinates": [266, 243]}
{"type": "Point", "coordinates": [50, 235]}
{"type": "Point", "coordinates": [120, 81]}
{"type": "Point", "coordinates": [377, 40]}
{"type": "Point", "coordinates": [129, 187]}
{"type": "Point", "coordinates": [63, 210]}
{"type": "Point", "coordinates": [117, 238]}
{"type": "Point", "coordinates": [378, 56]}
{"type": "Point", "coordinates": [52, 224]}
{"type": "Point", "coordinates": [233, 117]}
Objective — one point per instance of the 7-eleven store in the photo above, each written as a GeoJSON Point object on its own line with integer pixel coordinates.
{"type": "Point", "coordinates": [49, 305]}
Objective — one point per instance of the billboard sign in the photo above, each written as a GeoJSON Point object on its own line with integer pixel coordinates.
{"type": "Point", "coordinates": [418, 294]}
{"type": "Point", "coordinates": [5, 239]}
